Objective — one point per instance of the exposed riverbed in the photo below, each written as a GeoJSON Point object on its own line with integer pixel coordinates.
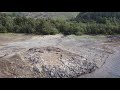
{"type": "Point", "coordinates": [58, 56]}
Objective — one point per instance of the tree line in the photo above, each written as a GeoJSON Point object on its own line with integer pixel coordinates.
{"type": "Point", "coordinates": [85, 23]}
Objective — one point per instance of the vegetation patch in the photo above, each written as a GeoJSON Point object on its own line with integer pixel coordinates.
{"type": "Point", "coordinates": [93, 23]}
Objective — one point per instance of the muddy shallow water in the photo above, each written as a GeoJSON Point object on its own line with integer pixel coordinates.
{"type": "Point", "coordinates": [82, 56]}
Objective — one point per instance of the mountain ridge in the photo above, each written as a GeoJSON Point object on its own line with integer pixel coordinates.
{"type": "Point", "coordinates": [53, 15]}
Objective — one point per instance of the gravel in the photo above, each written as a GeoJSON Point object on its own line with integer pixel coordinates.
{"type": "Point", "coordinates": [56, 56]}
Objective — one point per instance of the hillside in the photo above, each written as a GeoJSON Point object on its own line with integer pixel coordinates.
{"type": "Point", "coordinates": [100, 17]}
{"type": "Point", "coordinates": [53, 15]}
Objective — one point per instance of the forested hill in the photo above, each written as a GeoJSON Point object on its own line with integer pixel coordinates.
{"type": "Point", "coordinates": [107, 23]}
{"type": "Point", "coordinates": [99, 17]}
{"type": "Point", "coordinates": [53, 15]}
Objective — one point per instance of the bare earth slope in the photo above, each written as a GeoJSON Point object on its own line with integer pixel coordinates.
{"type": "Point", "coordinates": [56, 56]}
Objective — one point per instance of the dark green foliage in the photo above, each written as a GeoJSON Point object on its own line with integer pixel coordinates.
{"type": "Point", "coordinates": [85, 23]}
{"type": "Point", "coordinates": [99, 17]}
{"type": "Point", "coordinates": [16, 29]}
{"type": "Point", "coordinates": [3, 29]}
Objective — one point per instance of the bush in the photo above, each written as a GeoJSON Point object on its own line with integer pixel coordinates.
{"type": "Point", "coordinates": [3, 29]}
{"type": "Point", "coordinates": [78, 33]}
{"type": "Point", "coordinates": [49, 31]}
{"type": "Point", "coordinates": [16, 29]}
{"type": "Point", "coordinates": [54, 31]}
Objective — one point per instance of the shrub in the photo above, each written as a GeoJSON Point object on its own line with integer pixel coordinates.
{"type": "Point", "coordinates": [3, 29]}
{"type": "Point", "coordinates": [49, 31]}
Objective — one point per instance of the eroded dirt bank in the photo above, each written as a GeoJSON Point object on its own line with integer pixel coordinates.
{"type": "Point", "coordinates": [56, 56]}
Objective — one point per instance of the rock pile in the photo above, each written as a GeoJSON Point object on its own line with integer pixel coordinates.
{"type": "Point", "coordinates": [52, 62]}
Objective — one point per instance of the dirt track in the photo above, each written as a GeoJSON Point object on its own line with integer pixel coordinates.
{"type": "Point", "coordinates": [59, 56]}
